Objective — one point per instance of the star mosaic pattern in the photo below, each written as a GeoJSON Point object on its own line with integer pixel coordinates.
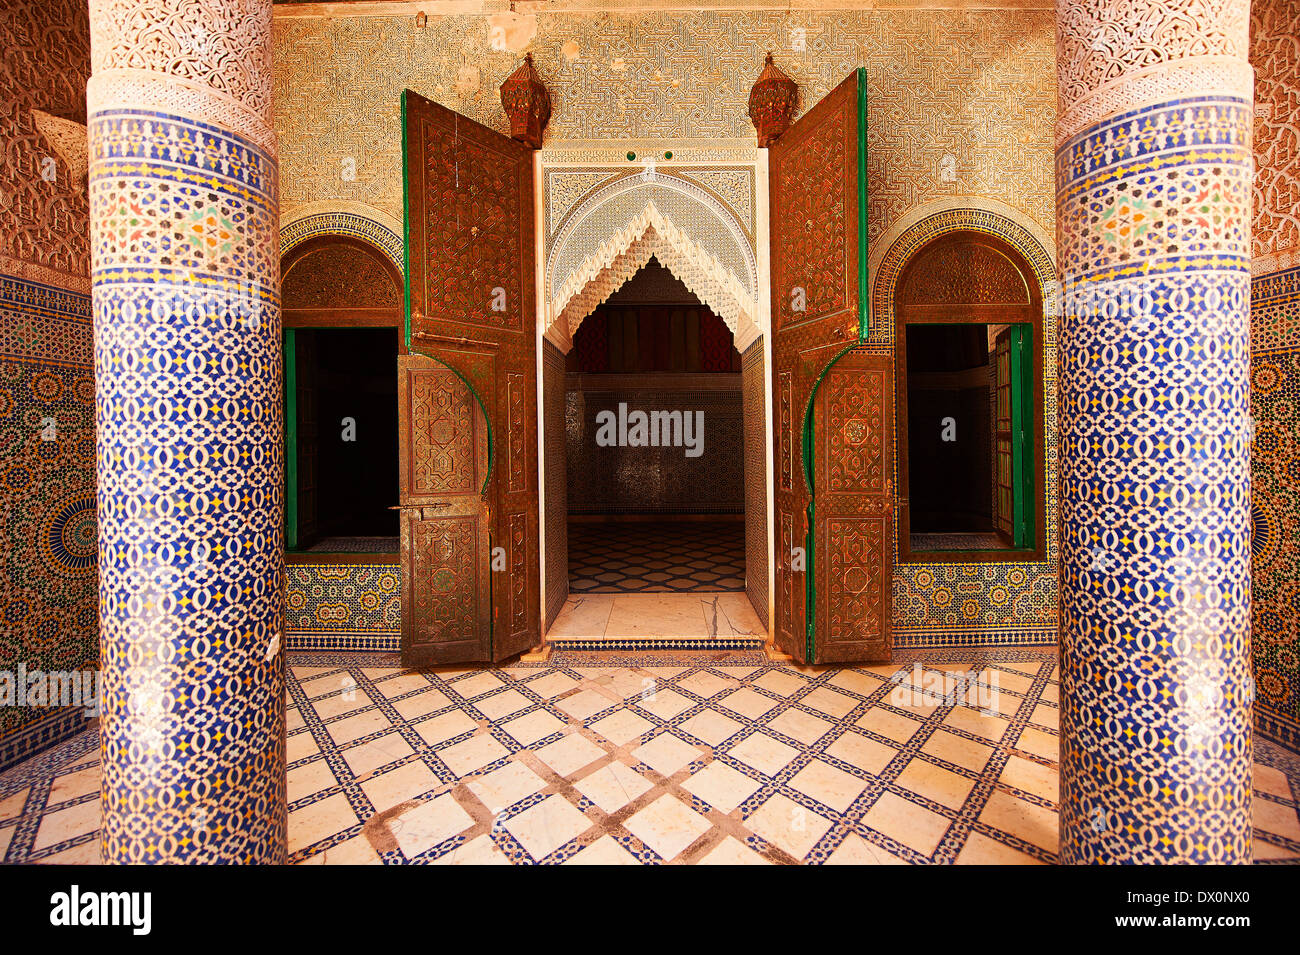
{"type": "Point", "coordinates": [625, 557]}
{"type": "Point", "coordinates": [605, 758]}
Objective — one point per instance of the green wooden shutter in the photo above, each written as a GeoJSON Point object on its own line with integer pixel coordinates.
{"type": "Point", "coordinates": [1022, 433]}
{"type": "Point", "coordinates": [1004, 469]}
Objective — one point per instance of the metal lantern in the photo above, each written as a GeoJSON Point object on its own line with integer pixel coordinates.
{"type": "Point", "coordinates": [526, 102]}
{"type": "Point", "coordinates": [771, 103]}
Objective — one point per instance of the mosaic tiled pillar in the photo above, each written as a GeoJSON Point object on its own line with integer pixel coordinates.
{"type": "Point", "coordinates": [1153, 175]}
{"type": "Point", "coordinates": [185, 278]}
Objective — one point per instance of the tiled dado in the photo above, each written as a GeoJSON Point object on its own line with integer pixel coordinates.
{"type": "Point", "coordinates": [343, 606]}
{"type": "Point", "coordinates": [686, 758]}
{"type": "Point", "coordinates": [49, 598]}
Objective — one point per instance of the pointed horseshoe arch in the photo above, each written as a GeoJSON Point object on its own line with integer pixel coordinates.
{"type": "Point", "coordinates": [353, 220]}
{"type": "Point", "coordinates": [655, 214]}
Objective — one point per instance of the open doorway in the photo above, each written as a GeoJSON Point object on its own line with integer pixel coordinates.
{"type": "Point", "coordinates": [342, 392]}
{"type": "Point", "coordinates": [961, 403]}
{"type": "Point", "coordinates": [968, 399]}
{"type": "Point", "coordinates": [654, 436]}
{"type": "Point", "coordinates": [653, 409]}
{"type": "Point", "coordinates": [342, 336]}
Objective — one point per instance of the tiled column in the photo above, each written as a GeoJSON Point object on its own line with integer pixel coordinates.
{"type": "Point", "coordinates": [185, 275]}
{"type": "Point", "coordinates": [1153, 178]}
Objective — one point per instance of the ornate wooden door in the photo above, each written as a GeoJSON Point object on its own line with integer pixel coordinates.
{"type": "Point", "coordinates": [470, 305]}
{"type": "Point", "coordinates": [446, 550]}
{"type": "Point", "coordinates": [817, 181]}
{"type": "Point", "coordinates": [853, 520]}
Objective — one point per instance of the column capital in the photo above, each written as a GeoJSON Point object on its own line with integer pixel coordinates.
{"type": "Point", "coordinates": [1112, 56]}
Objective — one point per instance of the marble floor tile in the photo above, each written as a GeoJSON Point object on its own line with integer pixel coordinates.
{"type": "Point", "coordinates": [721, 787]}
{"type": "Point", "coordinates": [788, 825]}
{"type": "Point", "coordinates": [619, 757]}
{"type": "Point", "coordinates": [396, 786]}
{"type": "Point", "coordinates": [667, 753]}
{"type": "Point", "coordinates": [427, 824]}
{"type": "Point", "coordinates": [613, 786]}
{"type": "Point", "coordinates": [667, 826]}
{"type": "Point", "coordinates": [604, 851]}
{"type": "Point", "coordinates": [545, 827]}
{"type": "Point", "coordinates": [583, 615]}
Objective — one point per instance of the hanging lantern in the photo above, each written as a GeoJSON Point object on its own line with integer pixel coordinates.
{"type": "Point", "coordinates": [771, 103]}
{"type": "Point", "coordinates": [526, 102]}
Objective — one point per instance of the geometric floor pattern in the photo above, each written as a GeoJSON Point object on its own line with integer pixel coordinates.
{"type": "Point", "coordinates": [354, 545]}
{"type": "Point", "coordinates": [624, 557]}
{"type": "Point", "coordinates": [712, 758]}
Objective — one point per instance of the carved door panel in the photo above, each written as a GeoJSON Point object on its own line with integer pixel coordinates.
{"type": "Point", "coordinates": [471, 305]}
{"type": "Point", "coordinates": [853, 509]}
{"type": "Point", "coordinates": [446, 555]}
{"type": "Point", "coordinates": [817, 182]}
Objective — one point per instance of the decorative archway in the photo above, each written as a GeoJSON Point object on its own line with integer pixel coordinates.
{"type": "Point", "coordinates": [605, 238]}
{"type": "Point", "coordinates": [614, 231]}
{"type": "Point", "coordinates": [351, 219]}
{"type": "Point", "coordinates": [906, 236]}
{"type": "Point", "coordinates": [995, 595]}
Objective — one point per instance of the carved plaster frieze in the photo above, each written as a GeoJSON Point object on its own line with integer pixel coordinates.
{"type": "Point", "coordinates": [629, 248]}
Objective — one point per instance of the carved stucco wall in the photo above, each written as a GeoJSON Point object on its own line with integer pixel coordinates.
{"type": "Point", "coordinates": [606, 234]}
{"type": "Point", "coordinates": [962, 103]}
{"type": "Point", "coordinates": [44, 228]}
{"type": "Point", "coordinates": [1275, 55]}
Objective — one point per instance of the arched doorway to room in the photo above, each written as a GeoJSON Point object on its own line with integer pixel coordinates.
{"type": "Point", "coordinates": [654, 440]}
{"type": "Point", "coordinates": [342, 317]}
{"type": "Point", "coordinates": [969, 402]}
{"type": "Point", "coordinates": [655, 477]}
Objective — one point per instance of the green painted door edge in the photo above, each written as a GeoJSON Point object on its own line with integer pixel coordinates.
{"type": "Point", "coordinates": [807, 444]}
{"type": "Point", "coordinates": [1022, 449]}
{"type": "Point", "coordinates": [290, 440]}
{"type": "Point", "coordinates": [406, 230]}
{"type": "Point", "coordinates": [864, 299]}
{"type": "Point", "coordinates": [808, 435]}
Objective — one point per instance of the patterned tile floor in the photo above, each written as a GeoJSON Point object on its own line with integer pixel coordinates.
{"type": "Point", "coordinates": [680, 758]}
{"type": "Point", "coordinates": [623, 557]}
{"type": "Point", "coordinates": [355, 545]}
